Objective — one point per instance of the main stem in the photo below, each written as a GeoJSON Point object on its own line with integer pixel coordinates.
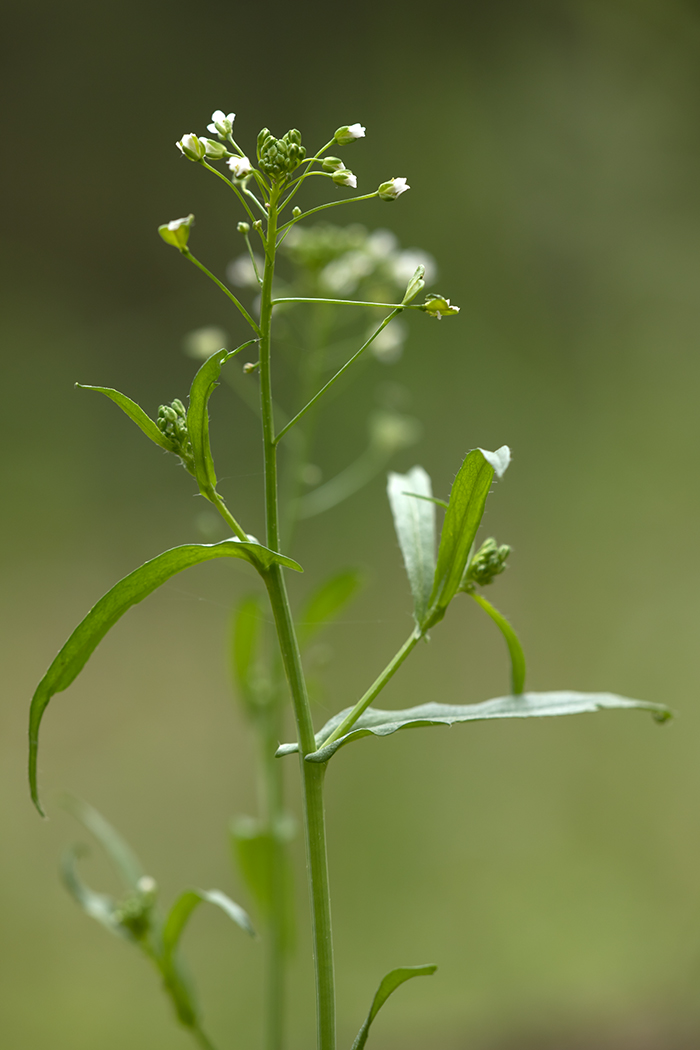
{"type": "Point", "coordinates": [312, 774]}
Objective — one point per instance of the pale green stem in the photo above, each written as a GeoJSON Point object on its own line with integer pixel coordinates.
{"type": "Point", "coordinates": [375, 689]}
{"type": "Point", "coordinates": [252, 258]}
{"type": "Point", "coordinates": [218, 501]}
{"type": "Point", "coordinates": [231, 186]}
{"type": "Point", "coordinates": [346, 483]}
{"type": "Point", "coordinates": [322, 207]}
{"type": "Point", "coordinates": [347, 302]}
{"type": "Point", "coordinates": [308, 163]}
{"type": "Point", "coordinates": [188, 255]}
{"type": "Point", "coordinates": [517, 656]}
{"type": "Point", "coordinates": [337, 375]}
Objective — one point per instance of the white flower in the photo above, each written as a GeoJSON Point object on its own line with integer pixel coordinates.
{"type": "Point", "coordinates": [381, 244]}
{"type": "Point", "coordinates": [388, 345]}
{"type": "Point", "coordinates": [241, 271]}
{"type": "Point", "coordinates": [389, 191]}
{"type": "Point", "coordinates": [221, 123]}
{"type": "Point", "coordinates": [344, 177]}
{"type": "Point", "coordinates": [349, 133]}
{"type": "Point", "coordinates": [240, 166]}
{"type": "Point", "coordinates": [405, 264]}
{"type": "Point", "coordinates": [191, 147]}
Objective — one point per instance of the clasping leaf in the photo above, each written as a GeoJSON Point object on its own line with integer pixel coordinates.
{"type": "Point", "coordinates": [388, 985]}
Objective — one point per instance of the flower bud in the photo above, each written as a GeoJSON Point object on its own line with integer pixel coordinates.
{"type": "Point", "coordinates": [257, 225]}
{"type": "Point", "coordinates": [349, 133]}
{"type": "Point", "coordinates": [214, 150]}
{"type": "Point", "coordinates": [222, 123]}
{"type": "Point", "coordinates": [177, 231]}
{"type": "Point", "coordinates": [389, 191]}
{"type": "Point", "coordinates": [332, 164]}
{"type": "Point", "coordinates": [296, 212]}
{"type": "Point", "coordinates": [438, 306]}
{"type": "Point", "coordinates": [243, 227]}
{"type": "Point", "coordinates": [191, 147]}
{"type": "Point", "coordinates": [240, 167]}
{"type": "Point", "coordinates": [488, 562]}
{"type": "Point", "coordinates": [344, 177]}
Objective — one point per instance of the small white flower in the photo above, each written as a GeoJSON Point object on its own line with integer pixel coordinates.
{"type": "Point", "coordinates": [240, 166]}
{"type": "Point", "coordinates": [222, 123]}
{"type": "Point", "coordinates": [389, 191]}
{"type": "Point", "coordinates": [191, 147]}
{"type": "Point", "coordinates": [388, 345]}
{"type": "Point", "coordinates": [349, 133]}
{"type": "Point", "coordinates": [344, 177]}
{"type": "Point", "coordinates": [241, 271]}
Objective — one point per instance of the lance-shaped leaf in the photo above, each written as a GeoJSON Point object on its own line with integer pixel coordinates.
{"type": "Point", "coordinates": [132, 589]}
{"type": "Point", "coordinates": [99, 906]}
{"type": "Point", "coordinates": [263, 861]}
{"type": "Point", "coordinates": [462, 519]}
{"type": "Point", "coordinates": [389, 984]}
{"type": "Point", "coordinates": [414, 521]}
{"type": "Point", "coordinates": [246, 632]}
{"type": "Point", "coordinates": [184, 906]}
{"type": "Point", "coordinates": [135, 412]}
{"type": "Point", "coordinates": [375, 722]}
{"type": "Point", "coordinates": [203, 386]}
{"type": "Point", "coordinates": [327, 602]}
{"type": "Point", "coordinates": [117, 849]}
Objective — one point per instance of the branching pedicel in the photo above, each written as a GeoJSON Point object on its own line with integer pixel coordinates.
{"type": "Point", "coordinates": [438, 570]}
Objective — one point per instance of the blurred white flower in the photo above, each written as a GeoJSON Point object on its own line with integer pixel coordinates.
{"type": "Point", "coordinates": [203, 342]}
{"type": "Point", "coordinates": [407, 262]}
{"type": "Point", "coordinates": [241, 271]}
{"type": "Point", "coordinates": [388, 346]}
{"type": "Point", "coordinates": [343, 275]}
{"type": "Point", "coordinates": [391, 431]}
{"type": "Point", "coordinates": [240, 166]}
{"type": "Point", "coordinates": [381, 243]}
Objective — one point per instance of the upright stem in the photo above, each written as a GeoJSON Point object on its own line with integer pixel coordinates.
{"type": "Point", "coordinates": [312, 775]}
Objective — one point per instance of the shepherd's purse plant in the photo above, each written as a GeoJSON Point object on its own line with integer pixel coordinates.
{"type": "Point", "coordinates": [332, 274]}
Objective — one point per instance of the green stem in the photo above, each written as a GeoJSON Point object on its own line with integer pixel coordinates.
{"type": "Point", "coordinates": [322, 207]}
{"type": "Point", "coordinates": [188, 255]}
{"type": "Point", "coordinates": [337, 375]}
{"type": "Point", "coordinates": [517, 657]}
{"type": "Point", "coordinates": [218, 501]}
{"type": "Point", "coordinates": [231, 185]}
{"type": "Point", "coordinates": [376, 687]}
{"type": "Point", "coordinates": [312, 775]}
{"type": "Point", "coordinates": [347, 302]}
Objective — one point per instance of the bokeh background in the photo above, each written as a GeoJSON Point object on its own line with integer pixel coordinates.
{"type": "Point", "coordinates": [552, 870]}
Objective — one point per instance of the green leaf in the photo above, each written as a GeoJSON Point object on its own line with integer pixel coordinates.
{"type": "Point", "coordinates": [414, 521]}
{"type": "Point", "coordinates": [132, 589]}
{"type": "Point", "coordinates": [245, 646]}
{"type": "Point", "coordinates": [462, 519]}
{"type": "Point", "coordinates": [515, 649]}
{"type": "Point", "coordinates": [203, 386]}
{"type": "Point", "coordinates": [120, 852]}
{"type": "Point", "coordinates": [262, 857]}
{"type": "Point", "coordinates": [327, 602]}
{"type": "Point", "coordinates": [389, 984]}
{"type": "Point", "coordinates": [99, 906]}
{"type": "Point", "coordinates": [186, 904]}
{"type": "Point", "coordinates": [133, 411]}
{"type": "Point", "coordinates": [375, 722]}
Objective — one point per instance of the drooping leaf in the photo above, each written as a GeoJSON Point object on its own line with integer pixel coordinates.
{"type": "Point", "coordinates": [375, 722]}
{"type": "Point", "coordinates": [134, 412]}
{"type": "Point", "coordinates": [462, 519]}
{"type": "Point", "coordinates": [414, 521]}
{"type": "Point", "coordinates": [132, 589]}
{"type": "Point", "coordinates": [203, 386]}
{"type": "Point", "coordinates": [388, 985]}
{"type": "Point", "coordinates": [327, 602]}
{"type": "Point", "coordinates": [186, 904]}
{"type": "Point", "coordinates": [117, 849]}
{"type": "Point", "coordinates": [263, 861]}
{"type": "Point", "coordinates": [99, 906]}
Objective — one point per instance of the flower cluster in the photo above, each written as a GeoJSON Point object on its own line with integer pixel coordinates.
{"type": "Point", "coordinates": [488, 562]}
{"type": "Point", "coordinates": [172, 423]}
{"type": "Point", "coordinates": [279, 157]}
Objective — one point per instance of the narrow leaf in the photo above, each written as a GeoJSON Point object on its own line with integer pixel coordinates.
{"type": "Point", "coordinates": [414, 521]}
{"type": "Point", "coordinates": [263, 861]}
{"type": "Point", "coordinates": [186, 904]}
{"type": "Point", "coordinates": [389, 984]}
{"type": "Point", "coordinates": [462, 519]}
{"type": "Point", "coordinates": [132, 589]}
{"type": "Point", "coordinates": [120, 852]}
{"type": "Point", "coordinates": [245, 645]}
{"type": "Point", "coordinates": [203, 386]}
{"type": "Point", "coordinates": [98, 906]}
{"type": "Point", "coordinates": [327, 602]}
{"type": "Point", "coordinates": [375, 722]}
{"type": "Point", "coordinates": [133, 411]}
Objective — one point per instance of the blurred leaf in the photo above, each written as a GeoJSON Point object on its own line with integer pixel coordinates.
{"type": "Point", "coordinates": [245, 645]}
{"type": "Point", "coordinates": [327, 602]}
{"type": "Point", "coordinates": [133, 411]}
{"type": "Point", "coordinates": [130, 590]}
{"type": "Point", "coordinates": [389, 984]}
{"type": "Point", "coordinates": [414, 521]}
{"type": "Point", "coordinates": [203, 386]}
{"type": "Point", "coordinates": [258, 856]}
{"type": "Point", "coordinates": [98, 906]}
{"type": "Point", "coordinates": [375, 722]}
{"type": "Point", "coordinates": [186, 904]}
{"type": "Point", "coordinates": [462, 519]}
{"type": "Point", "coordinates": [125, 860]}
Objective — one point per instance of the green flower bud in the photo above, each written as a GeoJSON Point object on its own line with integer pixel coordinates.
{"type": "Point", "coordinates": [257, 225]}
{"type": "Point", "coordinates": [438, 306]}
{"type": "Point", "coordinates": [172, 423]}
{"type": "Point", "coordinates": [332, 164]}
{"type": "Point", "coordinates": [243, 227]}
{"type": "Point", "coordinates": [191, 147]}
{"type": "Point", "coordinates": [214, 150]}
{"type": "Point", "coordinates": [349, 133]}
{"type": "Point", "coordinates": [134, 914]}
{"type": "Point", "coordinates": [344, 177]}
{"type": "Point", "coordinates": [177, 231]}
{"type": "Point", "coordinates": [389, 191]}
{"type": "Point", "coordinates": [296, 212]}
{"type": "Point", "coordinates": [488, 562]}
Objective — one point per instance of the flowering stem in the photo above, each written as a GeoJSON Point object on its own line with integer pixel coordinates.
{"type": "Point", "coordinates": [348, 302]}
{"type": "Point", "coordinates": [337, 375]}
{"type": "Point", "coordinates": [188, 255]}
{"type": "Point", "coordinates": [322, 207]}
{"type": "Point", "coordinates": [309, 162]}
{"type": "Point", "coordinates": [231, 186]}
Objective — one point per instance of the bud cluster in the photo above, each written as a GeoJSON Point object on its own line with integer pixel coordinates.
{"type": "Point", "coordinates": [134, 914]}
{"type": "Point", "coordinates": [172, 423]}
{"type": "Point", "coordinates": [488, 562]}
{"type": "Point", "coordinates": [279, 157]}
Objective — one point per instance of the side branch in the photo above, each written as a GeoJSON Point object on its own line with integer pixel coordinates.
{"type": "Point", "coordinates": [188, 255]}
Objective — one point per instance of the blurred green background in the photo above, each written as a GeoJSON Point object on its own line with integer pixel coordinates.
{"type": "Point", "coordinates": [552, 870]}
